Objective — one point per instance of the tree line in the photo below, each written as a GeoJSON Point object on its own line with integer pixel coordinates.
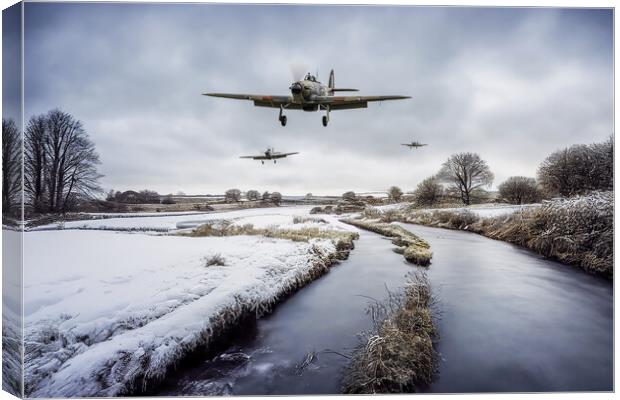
{"type": "Point", "coordinates": [59, 164]}
{"type": "Point", "coordinates": [234, 196]}
{"type": "Point", "coordinates": [577, 169]}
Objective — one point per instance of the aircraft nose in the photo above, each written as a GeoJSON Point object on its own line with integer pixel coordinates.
{"type": "Point", "coordinates": [296, 88]}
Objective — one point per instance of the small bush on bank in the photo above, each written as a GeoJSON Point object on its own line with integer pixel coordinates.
{"type": "Point", "coordinates": [389, 215]}
{"type": "Point", "coordinates": [215, 259]}
{"type": "Point", "coordinates": [371, 213]}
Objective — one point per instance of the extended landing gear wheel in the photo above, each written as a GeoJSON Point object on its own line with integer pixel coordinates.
{"type": "Point", "coordinates": [283, 120]}
{"type": "Point", "coordinates": [324, 120]}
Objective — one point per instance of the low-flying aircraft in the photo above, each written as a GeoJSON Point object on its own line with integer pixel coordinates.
{"type": "Point", "coordinates": [414, 144]}
{"type": "Point", "coordinates": [269, 154]}
{"type": "Point", "coordinates": [308, 94]}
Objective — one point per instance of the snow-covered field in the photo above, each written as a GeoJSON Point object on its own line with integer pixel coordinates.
{"type": "Point", "coordinates": [264, 216]}
{"type": "Point", "coordinates": [107, 310]}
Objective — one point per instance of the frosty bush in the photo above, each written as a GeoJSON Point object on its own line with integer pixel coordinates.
{"type": "Point", "coordinates": [519, 190]}
{"type": "Point", "coordinates": [579, 169]}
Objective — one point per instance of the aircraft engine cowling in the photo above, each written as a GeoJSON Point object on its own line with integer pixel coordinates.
{"type": "Point", "coordinates": [296, 88]}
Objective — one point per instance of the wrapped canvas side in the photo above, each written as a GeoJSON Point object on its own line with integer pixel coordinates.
{"type": "Point", "coordinates": [12, 201]}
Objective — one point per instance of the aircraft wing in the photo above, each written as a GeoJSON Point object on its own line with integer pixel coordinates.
{"type": "Point", "coordinates": [349, 102]}
{"type": "Point", "coordinates": [282, 155]}
{"type": "Point", "coordinates": [255, 157]}
{"type": "Point", "coordinates": [258, 99]}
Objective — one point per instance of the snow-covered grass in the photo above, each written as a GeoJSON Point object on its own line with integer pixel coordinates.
{"type": "Point", "coordinates": [11, 311]}
{"type": "Point", "coordinates": [415, 249]}
{"type": "Point", "coordinates": [485, 210]}
{"type": "Point", "coordinates": [107, 313]}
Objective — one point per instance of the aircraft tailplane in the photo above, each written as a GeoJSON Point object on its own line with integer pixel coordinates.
{"type": "Point", "coordinates": [332, 85]}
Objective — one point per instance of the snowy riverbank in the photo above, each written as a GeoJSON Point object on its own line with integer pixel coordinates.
{"type": "Point", "coordinates": [107, 313]}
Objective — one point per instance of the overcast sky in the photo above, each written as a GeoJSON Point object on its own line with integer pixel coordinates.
{"type": "Point", "coordinates": [510, 84]}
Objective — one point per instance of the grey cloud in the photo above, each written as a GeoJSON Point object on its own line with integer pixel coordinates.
{"type": "Point", "coordinates": [511, 84]}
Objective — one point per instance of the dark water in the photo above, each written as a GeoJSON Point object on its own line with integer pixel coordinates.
{"type": "Point", "coordinates": [508, 321]}
{"type": "Point", "coordinates": [513, 321]}
{"type": "Point", "coordinates": [324, 316]}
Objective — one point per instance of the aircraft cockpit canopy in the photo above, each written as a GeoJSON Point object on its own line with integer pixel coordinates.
{"type": "Point", "coordinates": [310, 77]}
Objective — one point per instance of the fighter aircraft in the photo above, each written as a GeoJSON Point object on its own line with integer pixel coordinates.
{"type": "Point", "coordinates": [269, 154]}
{"type": "Point", "coordinates": [414, 144]}
{"type": "Point", "coordinates": [309, 94]}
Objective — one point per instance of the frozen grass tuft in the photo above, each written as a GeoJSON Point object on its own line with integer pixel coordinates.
{"type": "Point", "coordinates": [11, 354]}
{"type": "Point", "coordinates": [415, 249]}
{"type": "Point", "coordinates": [396, 355]}
{"type": "Point", "coordinates": [216, 259]}
{"type": "Point", "coordinates": [222, 228]}
{"type": "Point", "coordinates": [300, 219]}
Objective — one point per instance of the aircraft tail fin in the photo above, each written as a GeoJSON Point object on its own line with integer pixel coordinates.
{"type": "Point", "coordinates": [331, 80]}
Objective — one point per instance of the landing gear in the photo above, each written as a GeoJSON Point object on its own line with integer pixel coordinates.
{"type": "Point", "coordinates": [262, 162]}
{"type": "Point", "coordinates": [282, 117]}
{"type": "Point", "coordinates": [326, 116]}
{"type": "Point", "coordinates": [274, 161]}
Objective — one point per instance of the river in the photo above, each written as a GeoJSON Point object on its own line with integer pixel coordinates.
{"type": "Point", "coordinates": [508, 321]}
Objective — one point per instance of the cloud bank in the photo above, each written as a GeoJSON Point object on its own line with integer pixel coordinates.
{"type": "Point", "coordinates": [510, 84]}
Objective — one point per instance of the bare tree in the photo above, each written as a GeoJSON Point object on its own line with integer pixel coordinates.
{"type": "Point", "coordinates": [395, 193]}
{"type": "Point", "coordinates": [265, 197]}
{"type": "Point", "coordinates": [252, 195]}
{"type": "Point", "coordinates": [276, 198]}
{"type": "Point", "coordinates": [232, 196]}
{"type": "Point", "coordinates": [428, 192]}
{"type": "Point", "coordinates": [519, 190]}
{"type": "Point", "coordinates": [11, 165]}
{"type": "Point", "coordinates": [578, 169]}
{"type": "Point", "coordinates": [466, 174]}
{"type": "Point", "coordinates": [35, 162]}
{"type": "Point", "coordinates": [60, 162]}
